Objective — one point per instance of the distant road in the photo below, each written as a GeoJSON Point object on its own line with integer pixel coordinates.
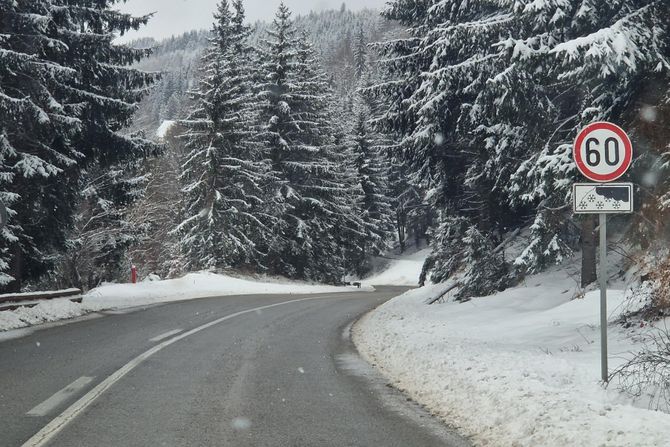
{"type": "Point", "coordinates": [233, 371]}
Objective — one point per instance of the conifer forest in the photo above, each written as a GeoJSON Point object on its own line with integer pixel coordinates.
{"type": "Point", "coordinates": [310, 145]}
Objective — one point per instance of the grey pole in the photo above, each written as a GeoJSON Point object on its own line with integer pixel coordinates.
{"type": "Point", "coordinates": [602, 277]}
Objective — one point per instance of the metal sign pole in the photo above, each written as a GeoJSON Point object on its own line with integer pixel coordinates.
{"type": "Point", "coordinates": [602, 275]}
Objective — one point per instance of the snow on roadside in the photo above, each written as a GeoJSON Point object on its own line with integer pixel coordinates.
{"type": "Point", "coordinates": [517, 369]}
{"type": "Point", "coordinates": [119, 296]}
{"type": "Point", "coordinates": [401, 272]}
{"type": "Point", "coordinates": [44, 312]}
{"type": "Point", "coordinates": [197, 285]}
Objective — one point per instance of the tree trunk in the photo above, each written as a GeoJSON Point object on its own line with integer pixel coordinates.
{"type": "Point", "coordinates": [15, 269]}
{"type": "Point", "coordinates": [589, 248]}
{"type": "Point", "coordinates": [400, 225]}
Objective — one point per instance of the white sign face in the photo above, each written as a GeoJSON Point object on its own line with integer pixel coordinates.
{"type": "Point", "coordinates": [603, 152]}
{"type": "Point", "coordinates": [602, 198]}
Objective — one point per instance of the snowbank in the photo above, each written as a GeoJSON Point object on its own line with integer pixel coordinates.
{"type": "Point", "coordinates": [517, 369]}
{"type": "Point", "coordinates": [196, 285]}
{"type": "Point", "coordinates": [44, 312]}
{"type": "Point", "coordinates": [192, 286]}
{"type": "Point", "coordinates": [401, 272]}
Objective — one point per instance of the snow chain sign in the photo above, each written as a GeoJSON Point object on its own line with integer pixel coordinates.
{"type": "Point", "coordinates": [603, 153]}
{"type": "Point", "coordinates": [609, 198]}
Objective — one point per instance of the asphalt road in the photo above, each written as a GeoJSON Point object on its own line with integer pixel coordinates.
{"type": "Point", "coordinates": [236, 371]}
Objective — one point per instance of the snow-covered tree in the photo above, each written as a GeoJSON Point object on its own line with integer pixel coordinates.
{"type": "Point", "coordinates": [372, 175]}
{"type": "Point", "coordinates": [66, 91]}
{"type": "Point", "coordinates": [158, 212]}
{"type": "Point", "coordinates": [360, 53]}
{"type": "Point", "coordinates": [486, 271]}
{"type": "Point", "coordinates": [592, 68]}
{"type": "Point", "coordinates": [314, 206]}
{"type": "Point", "coordinates": [98, 244]}
{"type": "Point", "coordinates": [487, 97]}
{"type": "Point", "coordinates": [226, 221]}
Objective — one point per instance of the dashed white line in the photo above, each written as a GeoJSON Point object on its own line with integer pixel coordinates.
{"type": "Point", "coordinates": [50, 431]}
{"type": "Point", "coordinates": [57, 399]}
{"type": "Point", "coordinates": [165, 335]}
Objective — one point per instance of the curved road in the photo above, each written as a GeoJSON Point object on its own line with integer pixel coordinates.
{"type": "Point", "coordinates": [234, 371]}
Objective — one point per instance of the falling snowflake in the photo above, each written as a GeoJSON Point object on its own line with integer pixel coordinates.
{"type": "Point", "coordinates": [241, 423]}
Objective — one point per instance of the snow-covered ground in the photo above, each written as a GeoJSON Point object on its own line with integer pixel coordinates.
{"type": "Point", "coordinates": [119, 296]}
{"type": "Point", "coordinates": [520, 368]}
{"type": "Point", "coordinates": [164, 128]}
{"type": "Point", "coordinates": [404, 271]}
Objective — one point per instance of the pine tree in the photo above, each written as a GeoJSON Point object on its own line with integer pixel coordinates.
{"type": "Point", "coordinates": [486, 270]}
{"type": "Point", "coordinates": [460, 94]}
{"type": "Point", "coordinates": [226, 220]}
{"type": "Point", "coordinates": [65, 94]}
{"type": "Point", "coordinates": [374, 202]}
{"type": "Point", "coordinates": [599, 58]}
{"type": "Point", "coordinates": [314, 205]}
{"type": "Point", "coordinates": [360, 54]}
{"type": "Point", "coordinates": [464, 124]}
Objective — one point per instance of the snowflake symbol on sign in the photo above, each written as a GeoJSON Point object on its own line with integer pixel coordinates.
{"type": "Point", "coordinates": [616, 205]}
{"type": "Point", "coordinates": [600, 205]}
{"type": "Point", "coordinates": [582, 205]}
{"type": "Point", "coordinates": [591, 198]}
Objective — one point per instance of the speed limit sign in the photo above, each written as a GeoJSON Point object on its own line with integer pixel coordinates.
{"type": "Point", "coordinates": [603, 152]}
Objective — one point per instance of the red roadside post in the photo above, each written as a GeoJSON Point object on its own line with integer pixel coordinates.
{"type": "Point", "coordinates": [133, 274]}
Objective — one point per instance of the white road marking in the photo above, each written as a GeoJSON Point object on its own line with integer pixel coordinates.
{"type": "Point", "coordinates": [57, 399]}
{"type": "Point", "coordinates": [50, 431]}
{"type": "Point", "coordinates": [165, 335]}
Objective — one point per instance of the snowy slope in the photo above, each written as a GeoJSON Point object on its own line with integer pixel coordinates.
{"type": "Point", "coordinates": [164, 128]}
{"type": "Point", "coordinates": [118, 296]}
{"type": "Point", "coordinates": [404, 271]}
{"type": "Point", "coordinates": [517, 369]}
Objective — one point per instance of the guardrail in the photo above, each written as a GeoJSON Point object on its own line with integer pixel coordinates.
{"type": "Point", "coordinates": [32, 299]}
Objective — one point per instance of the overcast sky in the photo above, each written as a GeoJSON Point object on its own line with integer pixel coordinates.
{"type": "Point", "coordinates": [177, 16]}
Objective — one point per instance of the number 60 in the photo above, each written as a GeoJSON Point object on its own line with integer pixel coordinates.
{"type": "Point", "coordinates": [612, 154]}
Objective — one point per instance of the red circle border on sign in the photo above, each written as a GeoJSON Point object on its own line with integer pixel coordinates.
{"type": "Point", "coordinates": [628, 147]}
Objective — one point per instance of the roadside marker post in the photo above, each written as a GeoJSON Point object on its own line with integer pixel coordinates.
{"type": "Point", "coordinates": [603, 153]}
{"type": "Point", "coordinates": [133, 274]}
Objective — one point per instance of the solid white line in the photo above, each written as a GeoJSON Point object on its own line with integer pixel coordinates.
{"type": "Point", "coordinates": [46, 434]}
{"type": "Point", "coordinates": [165, 335]}
{"type": "Point", "coordinates": [57, 399]}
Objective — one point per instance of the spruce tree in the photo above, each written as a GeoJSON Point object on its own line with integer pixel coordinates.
{"type": "Point", "coordinates": [314, 206]}
{"type": "Point", "coordinates": [374, 203]}
{"type": "Point", "coordinates": [599, 58]}
{"type": "Point", "coordinates": [487, 96]}
{"type": "Point", "coordinates": [226, 222]}
{"type": "Point", "coordinates": [360, 54]}
{"type": "Point", "coordinates": [66, 92]}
